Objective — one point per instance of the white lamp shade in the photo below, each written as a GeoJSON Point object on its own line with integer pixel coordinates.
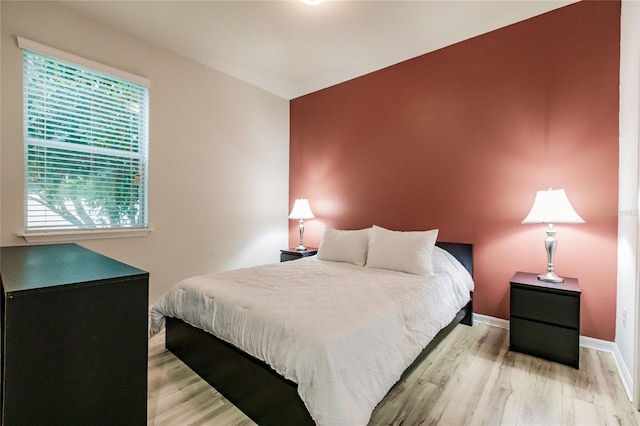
{"type": "Point", "coordinates": [301, 210]}
{"type": "Point", "coordinates": [552, 206]}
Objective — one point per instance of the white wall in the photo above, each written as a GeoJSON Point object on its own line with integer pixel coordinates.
{"type": "Point", "coordinates": [219, 151]}
{"type": "Point", "coordinates": [627, 293]}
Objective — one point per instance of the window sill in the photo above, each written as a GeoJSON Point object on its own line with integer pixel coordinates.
{"type": "Point", "coordinates": [77, 235]}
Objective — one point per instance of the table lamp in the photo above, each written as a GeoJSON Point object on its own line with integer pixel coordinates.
{"type": "Point", "coordinates": [301, 210]}
{"type": "Point", "coordinates": [552, 206]}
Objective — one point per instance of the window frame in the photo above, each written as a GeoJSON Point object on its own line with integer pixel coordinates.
{"type": "Point", "coordinates": [43, 234]}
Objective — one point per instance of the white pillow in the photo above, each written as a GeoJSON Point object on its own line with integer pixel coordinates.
{"type": "Point", "coordinates": [402, 251]}
{"type": "Point", "coordinates": [344, 246]}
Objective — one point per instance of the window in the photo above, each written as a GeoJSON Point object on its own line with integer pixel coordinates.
{"type": "Point", "coordinates": [85, 144]}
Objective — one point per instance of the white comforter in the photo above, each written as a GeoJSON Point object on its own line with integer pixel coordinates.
{"type": "Point", "coordinates": [343, 333]}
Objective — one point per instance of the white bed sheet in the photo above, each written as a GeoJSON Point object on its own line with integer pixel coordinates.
{"type": "Point", "coordinates": [343, 333]}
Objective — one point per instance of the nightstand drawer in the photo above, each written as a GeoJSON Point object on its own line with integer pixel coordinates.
{"type": "Point", "coordinates": [285, 257]}
{"type": "Point", "coordinates": [293, 254]}
{"type": "Point", "coordinates": [549, 307]}
{"type": "Point", "coordinates": [533, 338]}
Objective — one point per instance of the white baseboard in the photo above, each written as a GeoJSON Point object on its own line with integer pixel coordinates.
{"type": "Point", "coordinates": [492, 321]}
{"type": "Point", "coordinates": [623, 371]}
{"type": "Point", "coordinates": [587, 342]}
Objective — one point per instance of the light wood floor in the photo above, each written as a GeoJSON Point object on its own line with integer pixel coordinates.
{"type": "Point", "coordinates": [470, 379]}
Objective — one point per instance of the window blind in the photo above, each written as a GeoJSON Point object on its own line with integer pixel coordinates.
{"type": "Point", "coordinates": [86, 147]}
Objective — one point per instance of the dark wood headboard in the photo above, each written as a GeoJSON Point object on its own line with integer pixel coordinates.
{"type": "Point", "coordinates": [461, 251]}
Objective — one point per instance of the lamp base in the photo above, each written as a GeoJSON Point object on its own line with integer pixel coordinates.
{"type": "Point", "coordinates": [301, 248]}
{"type": "Point", "coordinates": [551, 278]}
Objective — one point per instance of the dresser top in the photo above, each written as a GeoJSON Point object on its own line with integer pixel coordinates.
{"type": "Point", "coordinates": [527, 278]}
{"type": "Point", "coordinates": [32, 268]}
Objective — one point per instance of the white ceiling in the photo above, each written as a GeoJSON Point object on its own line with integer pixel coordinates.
{"type": "Point", "coordinates": [290, 48]}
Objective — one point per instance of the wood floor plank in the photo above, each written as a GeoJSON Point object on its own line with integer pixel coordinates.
{"type": "Point", "coordinates": [471, 378]}
{"type": "Point", "coordinates": [577, 412]}
{"type": "Point", "coordinates": [468, 381]}
{"type": "Point", "coordinates": [542, 399]}
{"type": "Point", "coordinates": [609, 390]}
{"type": "Point", "coordinates": [501, 398]}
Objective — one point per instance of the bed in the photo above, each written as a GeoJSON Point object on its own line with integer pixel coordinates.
{"type": "Point", "coordinates": [313, 350]}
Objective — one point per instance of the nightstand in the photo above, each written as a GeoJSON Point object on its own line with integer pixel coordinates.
{"type": "Point", "coordinates": [292, 254]}
{"type": "Point", "coordinates": [545, 318]}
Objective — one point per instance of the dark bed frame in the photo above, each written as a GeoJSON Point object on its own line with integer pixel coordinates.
{"type": "Point", "coordinates": [252, 385]}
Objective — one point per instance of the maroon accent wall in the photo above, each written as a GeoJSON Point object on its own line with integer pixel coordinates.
{"type": "Point", "coordinates": [462, 138]}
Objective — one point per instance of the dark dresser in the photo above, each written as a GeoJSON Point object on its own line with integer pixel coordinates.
{"type": "Point", "coordinates": [74, 337]}
{"type": "Point", "coordinates": [545, 318]}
